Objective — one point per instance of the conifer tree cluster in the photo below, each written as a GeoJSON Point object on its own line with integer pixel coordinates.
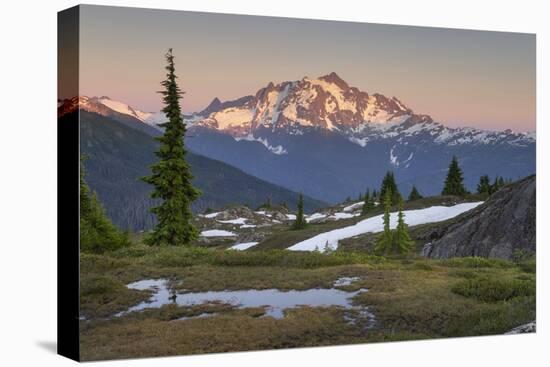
{"type": "Point", "coordinates": [454, 182]}
{"type": "Point", "coordinates": [402, 240]}
{"type": "Point", "coordinates": [368, 203]}
{"type": "Point", "coordinates": [485, 187]}
{"type": "Point", "coordinates": [97, 233]}
{"type": "Point", "coordinates": [414, 194]}
{"type": "Point", "coordinates": [393, 242]}
{"type": "Point", "coordinates": [300, 221]}
{"type": "Point", "coordinates": [171, 175]}
{"type": "Point", "coordinates": [389, 185]}
{"type": "Point", "coordinates": [384, 243]}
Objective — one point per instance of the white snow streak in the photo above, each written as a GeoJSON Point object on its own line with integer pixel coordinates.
{"type": "Point", "coordinates": [243, 246]}
{"type": "Point", "coordinates": [217, 233]}
{"type": "Point", "coordinates": [352, 207]}
{"type": "Point", "coordinates": [279, 149]}
{"type": "Point", "coordinates": [234, 221]}
{"type": "Point", "coordinates": [375, 224]}
{"type": "Point", "coordinates": [315, 216]}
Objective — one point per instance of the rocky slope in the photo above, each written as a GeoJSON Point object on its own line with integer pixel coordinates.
{"type": "Point", "coordinates": [504, 224]}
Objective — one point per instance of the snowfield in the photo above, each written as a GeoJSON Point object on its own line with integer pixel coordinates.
{"type": "Point", "coordinates": [352, 207]}
{"type": "Point", "coordinates": [234, 221]}
{"type": "Point", "coordinates": [375, 224]}
{"type": "Point", "coordinates": [217, 233]}
{"type": "Point", "coordinates": [243, 246]}
{"type": "Point", "coordinates": [338, 216]}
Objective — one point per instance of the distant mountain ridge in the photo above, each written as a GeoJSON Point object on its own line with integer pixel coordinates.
{"type": "Point", "coordinates": [331, 140]}
{"type": "Point", "coordinates": [327, 102]}
{"type": "Point", "coordinates": [118, 155]}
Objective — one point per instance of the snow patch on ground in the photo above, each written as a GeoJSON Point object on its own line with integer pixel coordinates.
{"type": "Point", "coordinates": [352, 207]}
{"type": "Point", "coordinates": [344, 281]}
{"type": "Point", "coordinates": [315, 216]}
{"type": "Point", "coordinates": [375, 224]}
{"type": "Point", "coordinates": [217, 233]}
{"type": "Point", "coordinates": [233, 117]}
{"type": "Point", "coordinates": [234, 221]}
{"type": "Point", "coordinates": [339, 216]}
{"type": "Point", "coordinates": [360, 141]}
{"type": "Point", "coordinates": [393, 159]}
{"type": "Point", "coordinates": [243, 246]}
{"type": "Point", "coordinates": [279, 149]}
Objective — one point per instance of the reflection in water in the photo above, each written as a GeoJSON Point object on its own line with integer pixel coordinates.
{"type": "Point", "coordinates": [274, 301]}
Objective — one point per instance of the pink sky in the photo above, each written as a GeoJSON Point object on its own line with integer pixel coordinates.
{"type": "Point", "coordinates": [459, 77]}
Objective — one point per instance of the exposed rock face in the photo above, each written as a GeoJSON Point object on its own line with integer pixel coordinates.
{"type": "Point", "coordinates": [499, 227]}
{"type": "Point", "coordinates": [530, 327]}
{"type": "Point", "coordinates": [235, 212]}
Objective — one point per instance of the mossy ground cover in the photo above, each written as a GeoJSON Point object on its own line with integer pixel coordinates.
{"type": "Point", "coordinates": [411, 298]}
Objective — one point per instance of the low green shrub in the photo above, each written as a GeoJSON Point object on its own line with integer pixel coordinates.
{"type": "Point", "coordinates": [521, 255]}
{"type": "Point", "coordinates": [189, 256]}
{"type": "Point", "coordinates": [100, 285]}
{"type": "Point", "coordinates": [182, 256]}
{"type": "Point", "coordinates": [134, 251]}
{"type": "Point", "coordinates": [464, 273]}
{"type": "Point", "coordinates": [492, 290]}
{"type": "Point", "coordinates": [528, 266]}
{"type": "Point", "coordinates": [476, 262]}
{"type": "Point", "coordinates": [422, 266]}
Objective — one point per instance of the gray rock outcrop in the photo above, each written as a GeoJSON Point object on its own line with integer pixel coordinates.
{"type": "Point", "coordinates": [530, 327]}
{"type": "Point", "coordinates": [502, 225]}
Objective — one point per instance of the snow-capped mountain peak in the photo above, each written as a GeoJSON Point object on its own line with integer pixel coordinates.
{"type": "Point", "coordinates": [122, 108]}
{"type": "Point", "coordinates": [326, 102]}
{"type": "Point", "coordinates": [330, 103]}
{"type": "Point", "coordinates": [108, 107]}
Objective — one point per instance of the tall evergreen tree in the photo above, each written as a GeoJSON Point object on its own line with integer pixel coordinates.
{"type": "Point", "coordinates": [414, 195]}
{"type": "Point", "coordinates": [171, 175]}
{"type": "Point", "coordinates": [97, 233]}
{"type": "Point", "coordinates": [454, 183]}
{"type": "Point", "coordinates": [484, 185]}
{"type": "Point", "coordinates": [384, 243]}
{"type": "Point", "coordinates": [300, 221]}
{"type": "Point", "coordinates": [389, 185]}
{"type": "Point", "coordinates": [497, 184]}
{"type": "Point", "coordinates": [402, 239]}
{"type": "Point", "coordinates": [368, 204]}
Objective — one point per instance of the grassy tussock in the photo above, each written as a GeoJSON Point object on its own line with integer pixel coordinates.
{"type": "Point", "coordinates": [493, 289]}
{"type": "Point", "coordinates": [191, 256]}
{"type": "Point", "coordinates": [476, 262]}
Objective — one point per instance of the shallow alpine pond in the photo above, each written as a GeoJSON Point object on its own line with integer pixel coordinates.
{"type": "Point", "coordinates": [274, 301]}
